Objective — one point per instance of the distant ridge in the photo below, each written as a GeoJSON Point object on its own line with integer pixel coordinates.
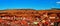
{"type": "Point", "coordinates": [34, 9]}
{"type": "Point", "coordinates": [24, 9]}
{"type": "Point", "coordinates": [17, 9]}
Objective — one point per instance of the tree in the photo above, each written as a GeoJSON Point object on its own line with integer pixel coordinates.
{"type": "Point", "coordinates": [55, 8]}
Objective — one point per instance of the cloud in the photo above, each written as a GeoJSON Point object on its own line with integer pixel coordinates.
{"type": "Point", "coordinates": [58, 2]}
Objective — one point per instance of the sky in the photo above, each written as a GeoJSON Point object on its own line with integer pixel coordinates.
{"type": "Point", "coordinates": [29, 4]}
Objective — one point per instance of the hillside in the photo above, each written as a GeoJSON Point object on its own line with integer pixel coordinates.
{"type": "Point", "coordinates": [25, 17]}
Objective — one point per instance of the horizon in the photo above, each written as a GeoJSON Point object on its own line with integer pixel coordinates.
{"type": "Point", "coordinates": [33, 4]}
{"type": "Point", "coordinates": [32, 9]}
